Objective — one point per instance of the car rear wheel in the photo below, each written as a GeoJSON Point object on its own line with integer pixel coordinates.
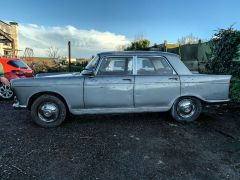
{"type": "Point", "coordinates": [48, 111]}
{"type": "Point", "coordinates": [186, 109]}
{"type": "Point", "coordinates": [5, 91]}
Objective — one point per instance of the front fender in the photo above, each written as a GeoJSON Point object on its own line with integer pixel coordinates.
{"type": "Point", "coordinates": [70, 89]}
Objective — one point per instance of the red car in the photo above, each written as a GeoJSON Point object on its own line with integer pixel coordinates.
{"type": "Point", "coordinates": [13, 68]}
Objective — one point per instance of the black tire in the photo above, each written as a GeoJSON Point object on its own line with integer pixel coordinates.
{"type": "Point", "coordinates": [180, 112]}
{"type": "Point", "coordinates": [46, 105]}
{"type": "Point", "coordinates": [6, 92]}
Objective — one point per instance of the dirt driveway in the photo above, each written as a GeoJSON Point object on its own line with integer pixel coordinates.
{"type": "Point", "coordinates": [130, 146]}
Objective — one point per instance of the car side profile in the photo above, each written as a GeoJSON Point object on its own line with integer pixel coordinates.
{"type": "Point", "coordinates": [121, 82]}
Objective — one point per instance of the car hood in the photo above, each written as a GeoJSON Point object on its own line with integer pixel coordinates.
{"type": "Point", "coordinates": [61, 74]}
{"type": "Point", "coordinates": [48, 79]}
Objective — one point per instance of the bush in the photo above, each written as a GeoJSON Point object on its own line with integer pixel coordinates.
{"type": "Point", "coordinates": [235, 90]}
{"type": "Point", "coordinates": [77, 68]}
{"type": "Point", "coordinates": [224, 47]}
{"type": "Point", "coordinates": [46, 65]}
{"type": "Point", "coordinates": [74, 68]}
{"type": "Point", "coordinates": [141, 44]}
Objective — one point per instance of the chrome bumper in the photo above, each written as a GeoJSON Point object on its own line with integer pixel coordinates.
{"type": "Point", "coordinates": [16, 104]}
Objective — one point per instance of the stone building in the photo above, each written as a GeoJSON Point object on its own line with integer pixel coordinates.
{"type": "Point", "coordinates": [9, 45]}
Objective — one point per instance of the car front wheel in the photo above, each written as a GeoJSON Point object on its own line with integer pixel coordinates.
{"type": "Point", "coordinates": [48, 111]}
{"type": "Point", "coordinates": [186, 109]}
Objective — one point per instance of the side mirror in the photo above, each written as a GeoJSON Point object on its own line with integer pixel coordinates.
{"type": "Point", "coordinates": [88, 72]}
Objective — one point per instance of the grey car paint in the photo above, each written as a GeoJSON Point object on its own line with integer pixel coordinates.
{"type": "Point", "coordinates": [209, 88]}
{"type": "Point", "coordinates": [69, 87]}
{"type": "Point", "coordinates": [108, 91]}
{"type": "Point", "coordinates": [86, 94]}
{"type": "Point", "coordinates": [152, 91]}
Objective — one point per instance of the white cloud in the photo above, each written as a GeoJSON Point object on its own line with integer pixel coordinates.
{"type": "Point", "coordinates": [84, 42]}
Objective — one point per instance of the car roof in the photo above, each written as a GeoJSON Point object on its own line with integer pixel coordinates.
{"type": "Point", "coordinates": [8, 59]}
{"type": "Point", "coordinates": [173, 59]}
{"type": "Point", "coordinates": [136, 53]}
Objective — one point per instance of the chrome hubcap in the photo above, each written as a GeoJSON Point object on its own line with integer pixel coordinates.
{"type": "Point", "coordinates": [6, 92]}
{"type": "Point", "coordinates": [186, 108]}
{"type": "Point", "coordinates": [48, 112]}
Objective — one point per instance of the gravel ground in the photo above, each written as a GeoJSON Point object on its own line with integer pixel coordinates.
{"type": "Point", "coordinates": [129, 146]}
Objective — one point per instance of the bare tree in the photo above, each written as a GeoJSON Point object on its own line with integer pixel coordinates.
{"type": "Point", "coordinates": [53, 53]}
{"type": "Point", "coordinates": [189, 39]}
{"type": "Point", "coordinates": [28, 56]}
{"type": "Point", "coordinates": [28, 53]}
{"type": "Point", "coordinates": [139, 37]}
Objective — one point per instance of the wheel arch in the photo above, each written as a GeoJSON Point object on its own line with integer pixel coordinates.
{"type": "Point", "coordinates": [202, 100]}
{"type": "Point", "coordinates": [36, 95]}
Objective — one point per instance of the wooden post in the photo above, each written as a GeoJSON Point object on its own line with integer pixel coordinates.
{"type": "Point", "coordinates": [199, 44]}
{"type": "Point", "coordinates": [165, 45]}
{"type": "Point", "coordinates": [69, 56]}
{"type": "Point", "coordinates": [179, 50]}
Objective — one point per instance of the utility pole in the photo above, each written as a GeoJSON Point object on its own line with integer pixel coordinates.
{"type": "Point", "coordinates": [69, 56]}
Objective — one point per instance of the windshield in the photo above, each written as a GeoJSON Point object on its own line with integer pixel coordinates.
{"type": "Point", "coordinates": [93, 63]}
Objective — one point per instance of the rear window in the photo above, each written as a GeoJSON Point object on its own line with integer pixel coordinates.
{"type": "Point", "coordinates": [18, 64]}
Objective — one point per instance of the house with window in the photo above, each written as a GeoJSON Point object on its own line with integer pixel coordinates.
{"type": "Point", "coordinates": [9, 44]}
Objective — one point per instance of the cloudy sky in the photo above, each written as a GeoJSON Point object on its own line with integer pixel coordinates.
{"type": "Point", "coordinates": [102, 25]}
{"type": "Point", "coordinates": [84, 42]}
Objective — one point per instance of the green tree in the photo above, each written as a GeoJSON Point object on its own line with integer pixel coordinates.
{"type": "Point", "coordinates": [155, 45]}
{"type": "Point", "coordinates": [224, 49]}
{"type": "Point", "coordinates": [140, 44]}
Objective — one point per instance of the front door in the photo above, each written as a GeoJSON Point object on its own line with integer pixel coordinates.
{"type": "Point", "coordinates": [156, 83]}
{"type": "Point", "coordinates": [112, 86]}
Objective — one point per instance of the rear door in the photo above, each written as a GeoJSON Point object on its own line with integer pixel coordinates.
{"type": "Point", "coordinates": [156, 82]}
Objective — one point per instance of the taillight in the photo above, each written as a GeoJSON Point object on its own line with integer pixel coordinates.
{"type": "Point", "coordinates": [18, 72]}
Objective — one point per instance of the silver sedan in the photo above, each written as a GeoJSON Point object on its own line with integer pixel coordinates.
{"type": "Point", "coordinates": [121, 82]}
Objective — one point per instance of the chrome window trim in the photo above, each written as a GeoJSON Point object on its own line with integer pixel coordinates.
{"type": "Point", "coordinates": [174, 71]}
{"type": "Point", "coordinates": [134, 65]}
{"type": "Point", "coordinates": [100, 62]}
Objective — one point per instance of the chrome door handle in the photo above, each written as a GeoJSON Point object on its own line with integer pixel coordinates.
{"type": "Point", "coordinates": [90, 77]}
{"type": "Point", "coordinates": [173, 78]}
{"type": "Point", "coordinates": [127, 79]}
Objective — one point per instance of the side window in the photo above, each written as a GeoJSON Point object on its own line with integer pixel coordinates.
{"type": "Point", "coordinates": [153, 66]}
{"type": "Point", "coordinates": [116, 66]}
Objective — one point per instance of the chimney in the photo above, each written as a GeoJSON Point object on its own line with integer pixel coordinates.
{"type": "Point", "coordinates": [13, 23]}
